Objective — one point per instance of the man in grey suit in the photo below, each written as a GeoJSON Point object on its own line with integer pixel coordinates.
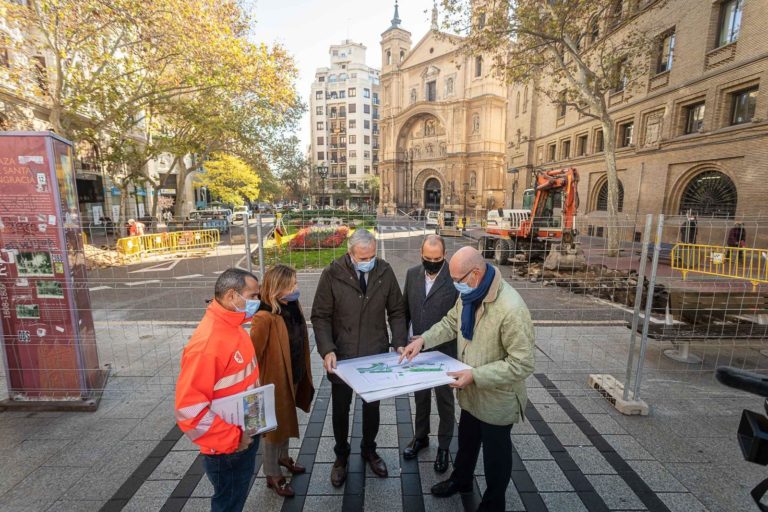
{"type": "Point", "coordinates": [429, 294]}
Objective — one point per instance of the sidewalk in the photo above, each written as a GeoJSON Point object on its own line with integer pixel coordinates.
{"type": "Point", "coordinates": [575, 453]}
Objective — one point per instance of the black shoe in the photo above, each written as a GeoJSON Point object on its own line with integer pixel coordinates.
{"type": "Point", "coordinates": [449, 488]}
{"type": "Point", "coordinates": [442, 461]}
{"type": "Point", "coordinates": [414, 447]}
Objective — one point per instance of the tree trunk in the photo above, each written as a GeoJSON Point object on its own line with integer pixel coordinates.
{"type": "Point", "coordinates": [609, 141]}
{"type": "Point", "coordinates": [123, 217]}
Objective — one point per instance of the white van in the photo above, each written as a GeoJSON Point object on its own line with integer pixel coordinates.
{"type": "Point", "coordinates": [432, 218]}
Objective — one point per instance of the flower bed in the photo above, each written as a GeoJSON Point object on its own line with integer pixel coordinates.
{"type": "Point", "coordinates": [319, 238]}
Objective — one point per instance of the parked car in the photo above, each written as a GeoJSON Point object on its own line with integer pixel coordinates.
{"type": "Point", "coordinates": [241, 213]}
{"type": "Point", "coordinates": [433, 218]}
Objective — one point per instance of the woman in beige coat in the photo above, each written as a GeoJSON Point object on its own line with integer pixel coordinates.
{"type": "Point", "coordinates": [280, 338]}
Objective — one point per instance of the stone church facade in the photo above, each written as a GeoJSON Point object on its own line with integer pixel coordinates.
{"type": "Point", "coordinates": [443, 126]}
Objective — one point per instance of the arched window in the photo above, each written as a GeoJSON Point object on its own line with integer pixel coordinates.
{"type": "Point", "coordinates": [525, 99]}
{"type": "Point", "coordinates": [402, 55]}
{"type": "Point", "coordinates": [602, 197]}
{"type": "Point", "coordinates": [389, 57]}
{"type": "Point", "coordinates": [517, 104]}
{"type": "Point", "coordinates": [478, 67]}
{"type": "Point", "coordinates": [709, 194]}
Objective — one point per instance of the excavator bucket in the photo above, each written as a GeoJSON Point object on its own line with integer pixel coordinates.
{"type": "Point", "coordinates": [565, 257]}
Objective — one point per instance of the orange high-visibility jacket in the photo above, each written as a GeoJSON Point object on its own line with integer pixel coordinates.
{"type": "Point", "coordinates": [218, 361]}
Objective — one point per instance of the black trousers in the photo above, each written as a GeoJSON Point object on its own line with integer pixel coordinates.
{"type": "Point", "coordinates": [445, 408]}
{"type": "Point", "coordinates": [341, 398]}
{"type": "Point", "coordinates": [497, 458]}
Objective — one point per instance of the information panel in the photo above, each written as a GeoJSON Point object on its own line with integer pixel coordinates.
{"type": "Point", "coordinates": [47, 326]}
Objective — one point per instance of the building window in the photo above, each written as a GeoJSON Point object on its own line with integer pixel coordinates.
{"type": "Point", "coordinates": [320, 125]}
{"type": "Point", "coordinates": [389, 57]}
{"type": "Point", "coordinates": [602, 197]}
{"type": "Point", "coordinates": [320, 156]}
{"type": "Point", "coordinates": [517, 104]}
{"type": "Point", "coordinates": [342, 95]}
{"type": "Point", "coordinates": [352, 92]}
{"type": "Point", "coordinates": [525, 99]}
{"type": "Point", "coordinates": [321, 79]}
{"type": "Point", "coordinates": [478, 67]}
{"type": "Point", "coordinates": [352, 139]}
{"type": "Point", "coordinates": [565, 150]}
{"type": "Point", "coordinates": [481, 21]}
{"type": "Point", "coordinates": [743, 105]}
{"type": "Point", "coordinates": [432, 91]}
{"type": "Point", "coordinates": [562, 107]}
{"type": "Point", "coordinates": [367, 169]}
{"type": "Point", "coordinates": [366, 139]}
{"type": "Point", "coordinates": [599, 141]}
{"type": "Point", "coordinates": [626, 134]}
{"type": "Point", "coordinates": [41, 73]}
{"type": "Point", "coordinates": [620, 75]}
{"type": "Point", "coordinates": [320, 141]}
{"type": "Point", "coordinates": [551, 152]}
{"type": "Point", "coordinates": [352, 153]}
{"type": "Point", "coordinates": [694, 117]}
{"type": "Point", "coordinates": [366, 109]}
{"type": "Point", "coordinates": [581, 145]}
{"type": "Point", "coordinates": [352, 123]}
{"type": "Point", "coordinates": [367, 155]}
{"type": "Point", "coordinates": [666, 52]}
{"type": "Point", "coordinates": [730, 22]}
{"type": "Point", "coordinates": [449, 86]}
{"type": "Point", "coordinates": [352, 108]}
{"type": "Point", "coordinates": [319, 95]}
{"type": "Point", "coordinates": [352, 169]}
{"type": "Point", "coordinates": [709, 194]}
{"type": "Point", "coordinates": [319, 111]}
{"type": "Point", "coordinates": [366, 93]}
{"type": "Point", "coordinates": [402, 55]}
{"type": "Point", "coordinates": [366, 124]}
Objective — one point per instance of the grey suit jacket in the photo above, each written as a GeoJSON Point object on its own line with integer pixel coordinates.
{"type": "Point", "coordinates": [423, 311]}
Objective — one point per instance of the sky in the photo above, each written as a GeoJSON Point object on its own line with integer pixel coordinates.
{"type": "Point", "coordinates": [307, 28]}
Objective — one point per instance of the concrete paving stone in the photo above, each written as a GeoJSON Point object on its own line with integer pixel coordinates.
{"type": "Point", "coordinates": [604, 424]}
{"type": "Point", "coordinates": [615, 492]}
{"type": "Point", "coordinates": [144, 505]}
{"type": "Point", "coordinates": [429, 477]}
{"type": "Point", "coordinates": [156, 489]}
{"type": "Point", "coordinates": [387, 437]}
{"type": "Point", "coordinates": [174, 466]}
{"type": "Point", "coordinates": [133, 408]}
{"type": "Point", "coordinates": [569, 434]}
{"type": "Point", "coordinates": [540, 396]}
{"type": "Point", "coordinates": [716, 489]}
{"type": "Point", "coordinates": [185, 444]}
{"type": "Point", "coordinates": [553, 413]}
{"type": "Point", "coordinates": [681, 502]}
{"type": "Point", "coordinates": [76, 506]}
{"type": "Point", "coordinates": [320, 481]}
{"type": "Point", "coordinates": [628, 448]}
{"type": "Point", "coordinates": [452, 504]}
{"type": "Point", "coordinates": [262, 497]}
{"type": "Point", "coordinates": [523, 427]}
{"type": "Point", "coordinates": [94, 445]}
{"type": "Point", "coordinates": [325, 451]}
{"type": "Point", "coordinates": [590, 460]}
{"type": "Point", "coordinates": [204, 488]}
{"type": "Point", "coordinates": [512, 498]}
{"type": "Point", "coordinates": [530, 447]}
{"type": "Point", "coordinates": [322, 503]}
{"type": "Point", "coordinates": [656, 476]}
{"type": "Point", "coordinates": [563, 502]}
{"type": "Point", "coordinates": [590, 405]}
{"type": "Point", "coordinates": [383, 494]}
{"type": "Point", "coordinates": [40, 489]}
{"type": "Point", "coordinates": [197, 505]}
{"type": "Point", "coordinates": [391, 457]}
{"type": "Point", "coordinates": [387, 415]}
{"type": "Point", "coordinates": [547, 476]}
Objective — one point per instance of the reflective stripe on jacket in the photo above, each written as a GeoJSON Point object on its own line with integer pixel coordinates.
{"type": "Point", "coordinates": [218, 361]}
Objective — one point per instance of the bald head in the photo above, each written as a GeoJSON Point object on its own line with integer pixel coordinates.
{"type": "Point", "coordinates": [467, 260]}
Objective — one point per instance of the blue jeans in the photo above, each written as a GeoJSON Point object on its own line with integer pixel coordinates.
{"type": "Point", "coordinates": [231, 475]}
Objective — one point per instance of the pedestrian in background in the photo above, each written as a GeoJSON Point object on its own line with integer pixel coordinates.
{"type": "Point", "coordinates": [737, 238]}
{"type": "Point", "coordinates": [689, 229]}
{"type": "Point", "coordinates": [429, 295]}
{"type": "Point", "coordinates": [219, 361]}
{"type": "Point", "coordinates": [135, 228]}
{"type": "Point", "coordinates": [356, 296]}
{"type": "Point", "coordinates": [495, 337]}
{"type": "Point", "coordinates": [280, 339]}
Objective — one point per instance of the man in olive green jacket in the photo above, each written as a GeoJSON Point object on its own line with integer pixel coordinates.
{"type": "Point", "coordinates": [495, 337]}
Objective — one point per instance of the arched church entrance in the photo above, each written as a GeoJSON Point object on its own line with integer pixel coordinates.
{"type": "Point", "coordinates": [432, 194]}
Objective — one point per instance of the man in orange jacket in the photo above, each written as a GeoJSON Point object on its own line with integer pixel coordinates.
{"type": "Point", "coordinates": [220, 361]}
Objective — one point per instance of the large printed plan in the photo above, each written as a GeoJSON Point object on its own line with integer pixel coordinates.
{"type": "Point", "coordinates": [381, 376]}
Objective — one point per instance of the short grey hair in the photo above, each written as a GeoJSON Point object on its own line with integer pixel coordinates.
{"type": "Point", "coordinates": [232, 279]}
{"type": "Point", "coordinates": [433, 239]}
{"type": "Point", "coordinates": [361, 238]}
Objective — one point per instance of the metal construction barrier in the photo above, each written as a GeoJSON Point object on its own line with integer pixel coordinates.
{"type": "Point", "coordinates": [168, 243]}
{"type": "Point", "coordinates": [730, 262]}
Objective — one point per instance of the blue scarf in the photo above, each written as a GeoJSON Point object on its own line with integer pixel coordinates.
{"type": "Point", "coordinates": [472, 300]}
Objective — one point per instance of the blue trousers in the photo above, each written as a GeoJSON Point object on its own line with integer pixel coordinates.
{"type": "Point", "coordinates": [231, 475]}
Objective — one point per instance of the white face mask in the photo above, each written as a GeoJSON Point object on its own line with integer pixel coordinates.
{"type": "Point", "coordinates": [365, 266]}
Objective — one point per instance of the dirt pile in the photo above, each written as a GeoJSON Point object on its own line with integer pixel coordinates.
{"type": "Point", "coordinates": [101, 257]}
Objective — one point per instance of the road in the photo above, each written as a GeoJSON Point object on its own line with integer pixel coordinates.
{"type": "Point", "coordinates": [176, 290]}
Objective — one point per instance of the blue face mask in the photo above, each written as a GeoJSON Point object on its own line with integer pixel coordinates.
{"type": "Point", "coordinates": [464, 288]}
{"type": "Point", "coordinates": [251, 307]}
{"type": "Point", "coordinates": [291, 297]}
{"type": "Point", "coordinates": [365, 266]}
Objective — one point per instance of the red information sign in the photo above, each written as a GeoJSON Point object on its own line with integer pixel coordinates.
{"type": "Point", "coordinates": [47, 326]}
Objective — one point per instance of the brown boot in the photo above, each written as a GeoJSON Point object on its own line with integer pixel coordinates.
{"type": "Point", "coordinates": [291, 466]}
{"type": "Point", "coordinates": [280, 486]}
{"type": "Point", "coordinates": [339, 471]}
{"type": "Point", "coordinates": [377, 464]}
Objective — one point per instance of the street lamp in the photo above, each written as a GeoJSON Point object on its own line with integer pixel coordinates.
{"type": "Point", "coordinates": [466, 189]}
{"type": "Point", "coordinates": [322, 171]}
{"type": "Point", "coordinates": [516, 172]}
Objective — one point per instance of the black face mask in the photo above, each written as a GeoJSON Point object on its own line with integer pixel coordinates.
{"type": "Point", "coordinates": [432, 267]}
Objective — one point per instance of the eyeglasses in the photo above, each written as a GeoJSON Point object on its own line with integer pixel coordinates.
{"type": "Point", "coordinates": [463, 277]}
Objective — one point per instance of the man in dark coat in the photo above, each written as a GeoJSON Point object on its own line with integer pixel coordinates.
{"type": "Point", "coordinates": [429, 294]}
{"type": "Point", "coordinates": [356, 296]}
